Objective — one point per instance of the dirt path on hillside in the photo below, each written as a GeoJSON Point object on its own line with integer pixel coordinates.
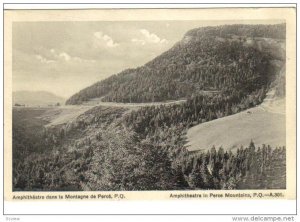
{"type": "Point", "coordinates": [64, 114]}
{"type": "Point", "coordinates": [99, 102]}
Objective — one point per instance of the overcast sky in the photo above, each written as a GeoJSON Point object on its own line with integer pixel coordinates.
{"type": "Point", "coordinates": [65, 57]}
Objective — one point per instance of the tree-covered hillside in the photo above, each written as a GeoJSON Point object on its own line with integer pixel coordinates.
{"type": "Point", "coordinates": [99, 151]}
{"type": "Point", "coordinates": [220, 71]}
{"type": "Point", "coordinates": [218, 58]}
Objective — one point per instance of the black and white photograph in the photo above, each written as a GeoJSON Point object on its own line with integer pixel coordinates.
{"type": "Point", "coordinates": [163, 109]}
{"type": "Point", "coordinates": [148, 105]}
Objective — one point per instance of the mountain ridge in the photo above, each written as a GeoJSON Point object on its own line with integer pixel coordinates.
{"type": "Point", "coordinates": [146, 148]}
{"type": "Point", "coordinates": [36, 98]}
{"type": "Point", "coordinates": [202, 60]}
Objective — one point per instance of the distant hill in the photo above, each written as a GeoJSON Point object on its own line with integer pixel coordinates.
{"type": "Point", "coordinates": [217, 58]}
{"type": "Point", "coordinates": [36, 98]}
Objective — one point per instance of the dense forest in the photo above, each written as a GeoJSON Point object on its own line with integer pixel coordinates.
{"type": "Point", "coordinates": [100, 151]}
{"type": "Point", "coordinates": [122, 162]}
{"type": "Point", "coordinates": [207, 59]}
{"type": "Point", "coordinates": [116, 148]}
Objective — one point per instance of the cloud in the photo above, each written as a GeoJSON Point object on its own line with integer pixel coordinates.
{"type": "Point", "coordinates": [67, 58]}
{"type": "Point", "coordinates": [107, 40]}
{"type": "Point", "coordinates": [148, 37]}
{"type": "Point", "coordinates": [43, 59]}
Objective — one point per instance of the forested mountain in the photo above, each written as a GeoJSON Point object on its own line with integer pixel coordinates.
{"type": "Point", "coordinates": [36, 98]}
{"type": "Point", "coordinates": [219, 71]}
{"type": "Point", "coordinates": [217, 59]}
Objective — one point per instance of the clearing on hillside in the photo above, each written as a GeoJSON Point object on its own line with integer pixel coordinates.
{"type": "Point", "coordinates": [261, 124]}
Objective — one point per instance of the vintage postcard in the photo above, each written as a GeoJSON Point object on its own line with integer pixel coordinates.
{"type": "Point", "coordinates": [150, 104]}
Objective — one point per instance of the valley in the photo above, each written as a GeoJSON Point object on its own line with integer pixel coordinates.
{"type": "Point", "coordinates": [207, 114]}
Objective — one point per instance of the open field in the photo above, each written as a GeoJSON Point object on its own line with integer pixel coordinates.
{"type": "Point", "coordinates": [63, 114]}
{"type": "Point", "coordinates": [264, 124]}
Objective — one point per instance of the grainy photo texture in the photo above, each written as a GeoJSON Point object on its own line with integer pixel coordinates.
{"type": "Point", "coordinates": [148, 105]}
